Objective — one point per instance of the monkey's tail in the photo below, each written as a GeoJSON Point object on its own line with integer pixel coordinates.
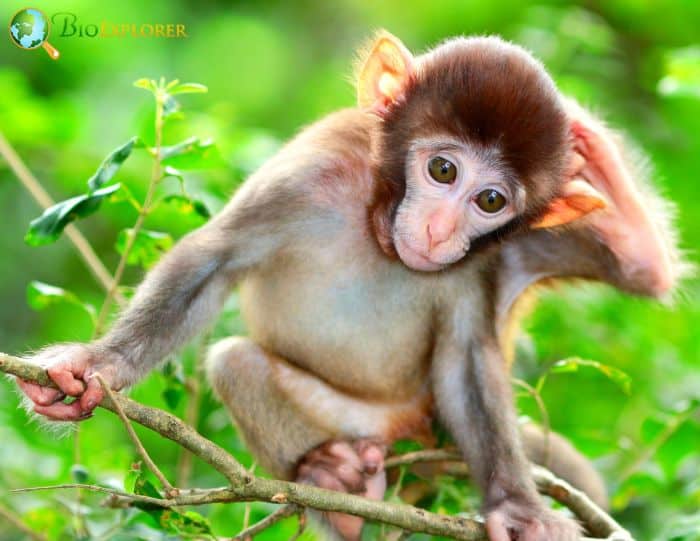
{"type": "Point", "coordinates": [564, 461]}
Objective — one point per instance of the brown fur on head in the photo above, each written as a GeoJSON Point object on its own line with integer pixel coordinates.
{"type": "Point", "coordinates": [488, 93]}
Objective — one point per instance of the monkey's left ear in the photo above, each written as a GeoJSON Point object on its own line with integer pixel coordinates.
{"type": "Point", "coordinates": [383, 77]}
{"type": "Point", "coordinates": [578, 199]}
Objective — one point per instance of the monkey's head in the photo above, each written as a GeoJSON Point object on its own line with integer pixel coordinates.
{"type": "Point", "coordinates": [473, 144]}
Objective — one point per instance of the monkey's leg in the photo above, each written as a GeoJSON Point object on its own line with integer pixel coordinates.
{"type": "Point", "coordinates": [241, 374]}
{"type": "Point", "coordinates": [287, 442]}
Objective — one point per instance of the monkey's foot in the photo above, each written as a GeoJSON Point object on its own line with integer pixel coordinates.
{"type": "Point", "coordinates": [514, 521]}
{"type": "Point", "coordinates": [354, 467]}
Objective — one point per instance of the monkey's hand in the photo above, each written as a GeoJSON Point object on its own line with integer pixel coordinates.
{"type": "Point", "coordinates": [512, 520]}
{"type": "Point", "coordinates": [356, 468]}
{"type": "Point", "coordinates": [628, 226]}
{"type": "Point", "coordinates": [72, 368]}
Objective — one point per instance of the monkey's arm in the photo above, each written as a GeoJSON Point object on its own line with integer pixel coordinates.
{"type": "Point", "coordinates": [177, 298]}
{"type": "Point", "coordinates": [473, 395]}
{"type": "Point", "coordinates": [631, 244]}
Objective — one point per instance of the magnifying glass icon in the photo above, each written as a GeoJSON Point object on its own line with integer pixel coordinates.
{"type": "Point", "coordinates": [29, 29]}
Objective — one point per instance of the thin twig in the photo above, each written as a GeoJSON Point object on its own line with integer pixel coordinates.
{"type": "Point", "coordinates": [544, 416]}
{"type": "Point", "coordinates": [661, 438]}
{"type": "Point", "coordinates": [426, 455]}
{"type": "Point", "coordinates": [271, 519]}
{"type": "Point", "coordinates": [40, 195]}
{"type": "Point", "coordinates": [246, 512]}
{"type": "Point", "coordinates": [96, 488]}
{"type": "Point", "coordinates": [169, 489]}
{"type": "Point", "coordinates": [194, 400]}
{"type": "Point", "coordinates": [301, 527]}
{"type": "Point", "coordinates": [80, 523]}
{"type": "Point", "coordinates": [10, 516]}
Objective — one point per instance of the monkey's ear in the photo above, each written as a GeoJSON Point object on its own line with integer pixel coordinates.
{"type": "Point", "coordinates": [384, 74]}
{"type": "Point", "coordinates": [578, 199]}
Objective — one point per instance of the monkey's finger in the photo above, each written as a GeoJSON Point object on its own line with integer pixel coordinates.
{"type": "Point", "coordinates": [345, 452]}
{"type": "Point", "coordinates": [535, 531]}
{"type": "Point", "coordinates": [372, 456]}
{"type": "Point", "coordinates": [375, 486]}
{"type": "Point", "coordinates": [333, 476]}
{"type": "Point", "coordinates": [42, 396]}
{"type": "Point", "coordinates": [576, 164]}
{"type": "Point", "coordinates": [64, 375]}
{"type": "Point", "coordinates": [496, 527]}
{"type": "Point", "coordinates": [348, 526]}
{"type": "Point", "coordinates": [93, 394]}
{"type": "Point", "coordinates": [351, 477]}
{"type": "Point", "coordinates": [323, 459]}
{"type": "Point", "coordinates": [63, 412]}
{"type": "Point", "coordinates": [321, 478]}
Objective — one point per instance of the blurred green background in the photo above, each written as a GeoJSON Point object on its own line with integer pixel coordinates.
{"type": "Point", "coordinates": [272, 67]}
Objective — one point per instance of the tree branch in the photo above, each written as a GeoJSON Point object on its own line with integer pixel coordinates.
{"type": "Point", "coordinates": [169, 489]}
{"type": "Point", "coordinates": [247, 487]}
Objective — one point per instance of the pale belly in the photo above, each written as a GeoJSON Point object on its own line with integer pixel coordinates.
{"type": "Point", "coordinates": [362, 323]}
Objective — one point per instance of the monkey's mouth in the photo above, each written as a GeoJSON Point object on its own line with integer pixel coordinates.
{"type": "Point", "coordinates": [416, 260]}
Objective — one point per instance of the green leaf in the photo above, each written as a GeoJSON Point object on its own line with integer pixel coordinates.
{"type": "Point", "coordinates": [401, 447]}
{"type": "Point", "coordinates": [147, 248]}
{"type": "Point", "coordinates": [191, 154]}
{"type": "Point", "coordinates": [146, 84]}
{"type": "Point", "coordinates": [573, 364]}
{"type": "Point", "coordinates": [173, 396]}
{"type": "Point", "coordinates": [187, 523]}
{"type": "Point", "coordinates": [79, 473]}
{"type": "Point", "coordinates": [185, 205]}
{"type": "Point", "coordinates": [112, 163]}
{"type": "Point", "coordinates": [132, 476]}
{"type": "Point", "coordinates": [40, 295]}
{"type": "Point", "coordinates": [144, 487]}
{"type": "Point", "coordinates": [48, 227]}
{"type": "Point", "coordinates": [188, 88]}
{"type": "Point", "coordinates": [170, 107]}
{"type": "Point", "coordinates": [173, 372]}
{"type": "Point", "coordinates": [183, 147]}
{"type": "Point", "coordinates": [173, 521]}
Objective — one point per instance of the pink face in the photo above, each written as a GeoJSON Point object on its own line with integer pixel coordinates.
{"type": "Point", "coordinates": [455, 193]}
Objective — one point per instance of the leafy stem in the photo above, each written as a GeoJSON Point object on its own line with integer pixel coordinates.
{"type": "Point", "coordinates": [161, 95]}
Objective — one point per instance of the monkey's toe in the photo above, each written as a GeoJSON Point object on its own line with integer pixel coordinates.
{"type": "Point", "coordinates": [342, 466]}
{"type": "Point", "coordinates": [513, 521]}
{"type": "Point", "coordinates": [354, 467]}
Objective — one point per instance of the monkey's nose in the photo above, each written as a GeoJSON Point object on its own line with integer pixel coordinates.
{"type": "Point", "coordinates": [439, 231]}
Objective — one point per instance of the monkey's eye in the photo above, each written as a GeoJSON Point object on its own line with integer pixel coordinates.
{"type": "Point", "coordinates": [442, 170]}
{"type": "Point", "coordinates": [490, 200]}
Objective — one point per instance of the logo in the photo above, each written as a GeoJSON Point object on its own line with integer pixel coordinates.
{"type": "Point", "coordinates": [29, 29]}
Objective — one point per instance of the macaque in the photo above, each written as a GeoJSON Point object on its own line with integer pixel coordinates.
{"type": "Point", "coordinates": [380, 255]}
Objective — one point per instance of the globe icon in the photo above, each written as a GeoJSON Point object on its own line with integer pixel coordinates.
{"type": "Point", "coordinates": [29, 29]}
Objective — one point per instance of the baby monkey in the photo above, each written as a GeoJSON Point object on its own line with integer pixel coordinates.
{"type": "Point", "coordinates": [379, 254]}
